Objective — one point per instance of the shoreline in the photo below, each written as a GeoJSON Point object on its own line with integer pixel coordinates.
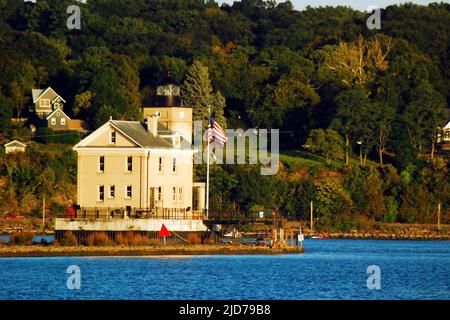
{"type": "Point", "coordinates": [370, 236]}
{"type": "Point", "coordinates": [181, 251]}
{"type": "Point", "coordinates": [144, 251]}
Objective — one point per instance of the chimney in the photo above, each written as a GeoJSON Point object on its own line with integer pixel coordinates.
{"type": "Point", "coordinates": [152, 125]}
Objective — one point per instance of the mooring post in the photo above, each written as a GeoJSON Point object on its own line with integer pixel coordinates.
{"type": "Point", "coordinates": [292, 237]}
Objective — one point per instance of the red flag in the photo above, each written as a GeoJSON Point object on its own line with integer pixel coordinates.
{"type": "Point", "coordinates": [164, 232]}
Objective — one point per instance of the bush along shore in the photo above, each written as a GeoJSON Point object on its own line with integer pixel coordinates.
{"type": "Point", "coordinates": [396, 231]}
{"type": "Point", "coordinates": [133, 244]}
{"type": "Point", "coordinates": [129, 244]}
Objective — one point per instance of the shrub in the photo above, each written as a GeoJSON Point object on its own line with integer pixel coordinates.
{"type": "Point", "coordinates": [22, 238]}
{"type": "Point", "coordinates": [137, 239]}
{"type": "Point", "coordinates": [98, 239]}
{"type": "Point", "coordinates": [194, 238]}
{"type": "Point", "coordinates": [121, 239]}
{"type": "Point", "coordinates": [69, 239]}
{"type": "Point", "coordinates": [57, 208]}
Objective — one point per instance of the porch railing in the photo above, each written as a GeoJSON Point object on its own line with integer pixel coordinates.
{"type": "Point", "coordinates": [107, 213]}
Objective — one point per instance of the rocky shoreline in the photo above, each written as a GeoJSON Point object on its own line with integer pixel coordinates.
{"type": "Point", "coordinates": [387, 236]}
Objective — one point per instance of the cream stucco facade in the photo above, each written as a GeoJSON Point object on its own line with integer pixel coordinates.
{"type": "Point", "coordinates": [125, 164]}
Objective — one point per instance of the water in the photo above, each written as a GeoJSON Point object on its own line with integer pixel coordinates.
{"type": "Point", "coordinates": [6, 238]}
{"type": "Point", "coordinates": [330, 269]}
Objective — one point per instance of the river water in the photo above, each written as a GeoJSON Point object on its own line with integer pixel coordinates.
{"type": "Point", "coordinates": [330, 269]}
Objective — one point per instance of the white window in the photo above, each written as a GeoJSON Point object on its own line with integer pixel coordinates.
{"type": "Point", "coordinates": [44, 103]}
{"type": "Point", "coordinates": [129, 164]}
{"type": "Point", "coordinates": [101, 164]}
{"type": "Point", "coordinates": [160, 165]}
{"type": "Point", "coordinates": [159, 195]}
{"type": "Point", "coordinates": [101, 193]}
{"type": "Point", "coordinates": [112, 191]}
{"type": "Point", "coordinates": [158, 114]}
{"type": "Point", "coordinates": [53, 121]}
{"type": "Point", "coordinates": [174, 165]}
{"type": "Point", "coordinates": [181, 114]}
{"type": "Point", "coordinates": [129, 192]}
{"type": "Point", "coordinates": [63, 121]}
{"type": "Point", "coordinates": [113, 137]}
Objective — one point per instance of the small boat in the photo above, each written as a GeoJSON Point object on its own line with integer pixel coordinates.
{"type": "Point", "coordinates": [232, 234]}
{"type": "Point", "coordinates": [319, 237]}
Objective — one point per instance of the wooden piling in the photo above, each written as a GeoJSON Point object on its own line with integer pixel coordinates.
{"type": "Point", "coordinates": [292, 237]}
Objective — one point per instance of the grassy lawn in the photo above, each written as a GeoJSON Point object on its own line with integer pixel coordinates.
{"type": "Point", "coordinates": [293, 158]}
{"type": "Point", "coordinates": [53, 148]}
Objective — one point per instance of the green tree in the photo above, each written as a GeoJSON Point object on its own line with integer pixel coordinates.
{"type": "Point", "coordinates": [22, 83]}
{"type": "Point", "coordinates": [325, 142]}
{"type": "Point", "coordinates": [82, 103]}
{"type": "Point", "coordinates": [5, 113]}
{"type": "Point", "coordinates": [385, 109]}
{"type": "Point", "coordinates": [197, 92]}
{"type": "Point", "coordinates": [349, 116]}
{"type": "Point", "coordinates": [423, 116]}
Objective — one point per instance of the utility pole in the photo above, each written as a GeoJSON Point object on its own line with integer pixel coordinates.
{"type": "Point", "coordinates": [207, 163]}
{"type": "Point", "coordinates": [43, 214]}
{"type": "Point", "coordinates": [439, 217]}
{"type": "Point", "coordinates": [312, 217]}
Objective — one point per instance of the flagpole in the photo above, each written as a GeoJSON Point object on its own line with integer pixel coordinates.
{"type": "Point", "coordinates": [207, 166]}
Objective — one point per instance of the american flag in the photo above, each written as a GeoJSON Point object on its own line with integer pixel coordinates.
{"type": "Point", "coordinates": [215, 131]}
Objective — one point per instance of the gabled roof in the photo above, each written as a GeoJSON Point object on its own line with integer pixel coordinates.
{"type": "Point", "coordinates": [58, 96]}
{"type": "Point", "coordinates": [136, 132]}
{"type": "Point", "coordinates": [54, 111]}
{"type": "Point", "coordinates": [15, 142]}
{"type": "Point", "coordinates": [37, 93]}
{"type": "Point", "coordinates": [447, 126]}
{"type": "Point", "coordinates": [168, 80]}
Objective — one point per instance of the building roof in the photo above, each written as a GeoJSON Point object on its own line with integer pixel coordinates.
{"type": "Point", "coordinates": [15, 143]}
{"type": "Point", "coordinates": [54, 111]}
{"type": "Point", "coordinates": [137, 131]}
{"type": "Point", "coordinates": [447, 126]}
{"type": "Point", "coordinates": [37, 93]}
{"type": "Point", "coordinates": [168, 80]}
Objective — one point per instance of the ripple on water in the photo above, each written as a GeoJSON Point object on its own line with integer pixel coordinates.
{"type": "Point", "coordinates": [330, 269]}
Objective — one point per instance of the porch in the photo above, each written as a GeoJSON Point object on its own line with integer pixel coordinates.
{"type": "Point", "coordinates": [108, 213]}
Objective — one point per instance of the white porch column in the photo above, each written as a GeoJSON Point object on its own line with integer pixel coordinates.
{"type": "Point", "coordinates": [201, 194]}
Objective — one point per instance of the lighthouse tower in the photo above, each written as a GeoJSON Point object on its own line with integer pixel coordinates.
{"type": "Point", "coordinates": [168, 107]}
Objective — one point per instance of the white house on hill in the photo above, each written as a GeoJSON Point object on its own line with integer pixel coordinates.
{"type": "Point", "coordinates": [45, 101]}
{"type": "Point", "coordinates": [446, 129]}
{"type": "Point", "coordinates": [15, 146]}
